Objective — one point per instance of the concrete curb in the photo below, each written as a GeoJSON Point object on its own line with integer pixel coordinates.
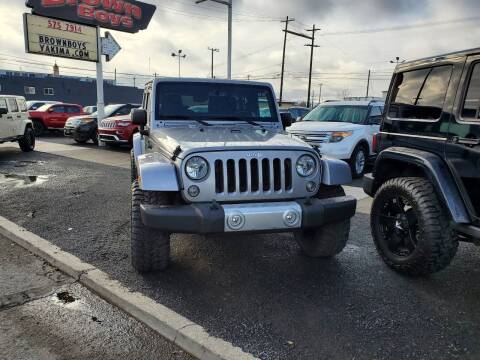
{"type": "Point", "coordinates": [187, 335]}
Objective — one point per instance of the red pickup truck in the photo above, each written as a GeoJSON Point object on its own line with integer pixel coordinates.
{"type": "Point", "coordinates": [53, 116]}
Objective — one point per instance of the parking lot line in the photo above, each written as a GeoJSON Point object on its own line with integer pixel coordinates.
{"type": "Point", "coordinates": [187, 335]}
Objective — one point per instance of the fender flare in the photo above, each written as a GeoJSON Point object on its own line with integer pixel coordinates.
{"type": "Point", "coordinates": [156, 173]}
{"type": "Point", "coordinates": [437, 172]}
{"type": "Point", "coordinates": [335, 172]}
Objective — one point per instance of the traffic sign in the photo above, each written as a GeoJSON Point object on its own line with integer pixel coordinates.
{"type": "Point", "coordinates": [110, 47]}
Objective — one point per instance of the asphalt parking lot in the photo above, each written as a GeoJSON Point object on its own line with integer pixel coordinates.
{"type": "Point", "coordinates": [257, 292]}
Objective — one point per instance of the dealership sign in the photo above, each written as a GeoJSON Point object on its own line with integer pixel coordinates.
{"type": "Point", "coordinates": [46, 36]}
{"type": "Point", "coordinates": [122, 15]}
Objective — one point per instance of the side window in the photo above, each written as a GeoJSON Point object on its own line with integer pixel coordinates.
{"type": "Point", "coordinates": [12, 104]}
{"type": "Point", "coordinates": [58, 109]}
{"type": "Point", "coordinates": [376, 111]}
{"type": "Point", "coordinates": [471, 105]}
{"type": "Point", "coordinates": [22, 105]}
{"type": "Point", "coordinates": [72, 109]}
{"type": "Point", "coordinates": [420, 94]}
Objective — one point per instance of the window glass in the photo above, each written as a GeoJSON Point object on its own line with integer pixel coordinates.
{"type": "Point", "coordinates": [223, 102]}
{"type": "Point", "coordinates": [12, 104]}
{"type": "Point", "coordinates": [338, 113]}
{"type": "Point", "coordinates": [125, 110]}
{"type": "Point", "coordinates": [58, 109]}
{"type": "Point", "coordinates": [375, 111]}
{"type": "Point", "coordinates": [72, 109]}
{"type": "Point", "coordinates": [420, 94]}
{"type": "Point", "coordinates": [22, 105]}
{"type": "Point", "coordinates": [472, 100]}
{"type": "Point", "coordinates": [48, 91]}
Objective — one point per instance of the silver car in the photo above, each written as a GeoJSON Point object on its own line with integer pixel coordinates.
{"type": "Point", "coordinates": [212, 157]}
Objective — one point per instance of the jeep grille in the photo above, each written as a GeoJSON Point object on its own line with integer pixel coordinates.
{"type": "Point", "coordinates": [253, 175]}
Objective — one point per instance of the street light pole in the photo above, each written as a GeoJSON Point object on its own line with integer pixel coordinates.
{"type": "Point", "coordinates": [397, 61]}
{"type": "Point", "coordinates": [228, 3]}
{"type": "Point", "coordinates": [213, 50]}
{"type": "Point", "coordinates": [180, 57]}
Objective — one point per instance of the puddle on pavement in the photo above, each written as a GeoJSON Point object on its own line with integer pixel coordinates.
{"type": "Point", "coordinates": [23, 180]}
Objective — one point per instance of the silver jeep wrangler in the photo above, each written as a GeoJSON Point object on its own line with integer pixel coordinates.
{"type": "Point", "coordinates": [212, 157]}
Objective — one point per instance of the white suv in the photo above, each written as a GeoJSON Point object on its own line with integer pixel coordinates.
{"type": "Point", "coordinates": [343, 130]}
{"type": "Point", "coordinates": [14, 123]}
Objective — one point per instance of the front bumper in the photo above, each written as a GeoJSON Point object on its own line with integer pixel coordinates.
{"type": "Point", "coordinates": [81, 132]}
{"type": "Point", "coordinates": [213, 218]}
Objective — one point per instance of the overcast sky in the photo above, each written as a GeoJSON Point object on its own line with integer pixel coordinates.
{"type": "Point", "coordinates": [348, 47]}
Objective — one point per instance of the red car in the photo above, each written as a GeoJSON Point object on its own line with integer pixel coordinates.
{"type": "Point", "coordinates": [117, 130]}
{"type": "Point", "coordinates": [53, 116]}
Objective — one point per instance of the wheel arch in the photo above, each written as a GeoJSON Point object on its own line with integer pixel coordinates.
{"type": "Point", "coordinates": [405, 162]}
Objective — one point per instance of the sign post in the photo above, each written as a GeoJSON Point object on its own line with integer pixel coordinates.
{"type": "Point", "coordinates": [100, 94]}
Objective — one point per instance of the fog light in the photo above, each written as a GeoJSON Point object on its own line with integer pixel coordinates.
{"type": "Point", "coordinates": [236, 221]}
{"type": "Point", "coordinates": [311, 186]}
{"type": "Point", "coordinates": [291, 218]}
{"type": "Point", "coordinates": [194, 191]}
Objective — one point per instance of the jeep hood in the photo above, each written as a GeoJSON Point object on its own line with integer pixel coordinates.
{"type": "Point", "coordinates": [201, 139]}
{"type": "Point", "coordinates": [322, 126]}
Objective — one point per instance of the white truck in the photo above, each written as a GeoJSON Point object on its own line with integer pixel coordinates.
{"type": "Point", "coordinates": [15, 126]}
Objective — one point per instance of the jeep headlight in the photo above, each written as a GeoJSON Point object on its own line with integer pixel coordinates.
{"type": "Point", "coordinates": [196, 168]}
{"type": "Point", "coordinates": [306, 165]}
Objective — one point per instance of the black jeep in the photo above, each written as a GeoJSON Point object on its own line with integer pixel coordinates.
{"type": "Point", "coordinates": [426, 179]}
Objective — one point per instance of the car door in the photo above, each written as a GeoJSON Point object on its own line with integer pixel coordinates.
{"type": "Point", "coordinates": [4, 121]}
{"type": "Point", "coordinates": [56, 116]}
{"type": "Point", "coordinates": [12, 117]}
{"type": "Point", "coordinates": [463, 144]}
{"type": "Point", "coordinates": [22, 116]}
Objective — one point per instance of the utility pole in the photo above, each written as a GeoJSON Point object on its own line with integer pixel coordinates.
{"type": "Point", "coordinates": [286, 21]}
{"type": "Point", "coordinates": [320, 95]}
{"type": "Point", "coordinates": [313, 97]}
{"type": "Point", "coordinates": [368, 84]}
{"type": "Point", "coordinates": [213, 50]}
{"type": "Point", "coordinates": [134, 81]}
{"type": "Point", "coordinates": [115, 76]}
{"type": "Point", "coordinates": [313, 46]}
{"type": "Point", "coordinates": [180, 57]}
{"type": "Point", "coordinates": [229, 4]}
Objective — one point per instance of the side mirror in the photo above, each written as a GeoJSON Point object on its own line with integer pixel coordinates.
{"type": "Point", "coordinates": [138, 117]}
{"type": "Point", "coordinates": [3, 111]}
{"type": "Point", "coordinates": [300, 118]}
{"type": "Point", "coordinates": [50, 110]}
{"type": "Point", "coordinates": [287, 119]}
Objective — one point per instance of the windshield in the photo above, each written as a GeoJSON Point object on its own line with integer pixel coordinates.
{"type": "Point", "coordinates": [215, 101]}
{"type": "Point", "coordinates": [109, 110]}
{"type": "Point", "coordinates": [338, 113]}
{"type": "Point", "coordinates": [44, 107]}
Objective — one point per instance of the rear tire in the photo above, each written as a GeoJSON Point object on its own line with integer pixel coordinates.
{"type": "Point", "coordinates": [150, 248]}
{"type": "Point", "coordinates": [39, 128]}
{"type": "Point", "coordinates": [411, 228]}
{"type": "Point", "coordinates": [27, 142]}
{"type": "Point", "coordinates": [330, 239]}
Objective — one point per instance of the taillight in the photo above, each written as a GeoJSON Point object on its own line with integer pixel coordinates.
{"type": "Point", "coordinates": [375, 143]}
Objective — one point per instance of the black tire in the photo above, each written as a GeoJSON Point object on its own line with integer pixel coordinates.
{"type": "Point", "coordinates": [419, 242]}
{"type": "Point", "coordinates": [133, 167]}
{"type": "Point", "coordinates": [80, 141]}
{"type": "Point", "coordinates": [27, 142]}
{"type": "Point", "coordinates": [328, 240]}
{"type": "Point", "coordinates": [362, 151]}
{"type": "Point", "coordinates": [39, 128]}
{"type": "Point", "coordinates": [150, 248]}
{"type": "Point", "coordinates": [95, 139]}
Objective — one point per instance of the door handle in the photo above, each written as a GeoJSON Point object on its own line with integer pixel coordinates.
{"type": "Point", "coordinates": [466, 141]}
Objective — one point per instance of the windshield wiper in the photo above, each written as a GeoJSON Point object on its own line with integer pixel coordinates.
{"type": "Point", "coordinates": [184, 117]}
{"type": "Point", "coordinates": [238, 118]}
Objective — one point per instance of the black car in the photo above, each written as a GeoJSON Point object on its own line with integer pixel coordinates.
{"type": "Point", "coordinates": [84, 128]}
{"type": "Point", "coordinates": [297, 112]}
{"type": "Point", "coordinates": [426, 180]}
